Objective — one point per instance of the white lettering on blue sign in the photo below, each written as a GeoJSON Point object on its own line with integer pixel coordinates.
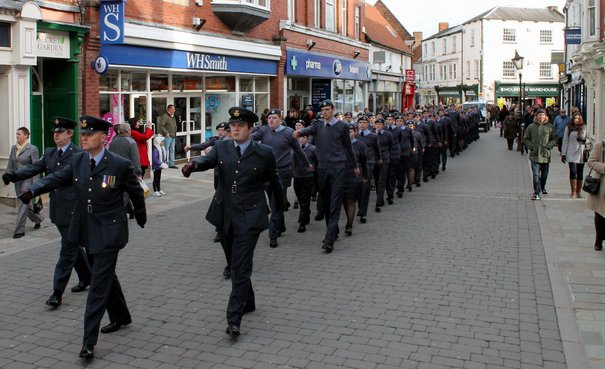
{"type": "Point", "coordinates": [112, 23]}
{"type": "Point", "coordinates": [207, 62]}
{"type": "Point", "coordinates": [310, 64]}
{"type": "Point", "coordinates": [353, 69]}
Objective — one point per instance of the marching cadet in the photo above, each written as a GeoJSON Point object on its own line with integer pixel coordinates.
{"type": "Point", "coordinates": [304, 179]}
{"type": "Point", "coordinates": [385, 142]}
{"type": "Point", "coordinates": [434, 146]}
{"type": "Point", "coordinates": [407, 149]}
{"type": "Point", "coordinates": [421, 126]}
{"type": "Point", "coordinates": [333, 150]}
{"type": "Point", "coordinates": [370, 139]}
{"type": "Point", "coordinates": [100, 179]}
{"type": "Point", "coordinates": [239, 207]}
{"type": "Point", "coordinates": [284, 145]}
{"type": "Point", "coordinates": [414, 157]}
{"type": "Point", "coordinates": [443, 124]}
{"type": "Point", "coordinates": [353, 183]}
{"type": "Point", "coordinates": [394, 162]}
{"type": "Point", "coordinates": [454, 128]}
{"type": "Point", "coordinates": [61, 206]}
{"type": "Point", "coordinates": [348, 117]}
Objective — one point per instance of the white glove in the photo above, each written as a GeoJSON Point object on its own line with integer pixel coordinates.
{"type": "Point", "coordinates": [164, 166]}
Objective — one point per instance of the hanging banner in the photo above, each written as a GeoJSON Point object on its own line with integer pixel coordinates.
{"type": "Point", "coordinates": [112, 21]}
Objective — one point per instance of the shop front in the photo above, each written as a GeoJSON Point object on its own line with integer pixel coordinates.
{"type": "Point", "coordinates": [141, 82]}
{"type": "Point", "coordinates": [312, 78]}
{"type": "Point", "coordinates": [533, 94]}
{"type": "Point", "coordinates": [387, 92]}
{"type": "Point", "coordinates": [449, 95]}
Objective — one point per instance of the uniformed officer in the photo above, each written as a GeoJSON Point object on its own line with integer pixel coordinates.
{"type": "Point", "coordinates": [239, 208]}
{"type": "Point", "coordinates": [61, 206]}
{"type": "Point", "coordinates": [395, 160]}
{"type": "Point", "coordinates": [385, 142]}
{"type": "Point", "coordinates": [370, 139]}
{"type": "Point", "coordinates": [353, 183]}
{"type": "Point", "coordinates": [99, 222]}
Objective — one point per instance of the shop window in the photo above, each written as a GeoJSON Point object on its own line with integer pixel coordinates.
{"type": "Point", "coordinates": [158, 82]}
{"type": "Point", "coordinates": [262, 84]}
{"type": "Point", "coordinates": [317, 13]}
{"type": "Point", "coordinates": [246, 85]}
{"type": "Point", "coordinates": [5, 34]}
{"type": "Point", "coordinates": [187, 83]}
{"type": "Point", "coordinates": [134, 81]}
{"type": "Point", "coordinates": [109, 81]}
{"type": "Point", "coordinates": [359, 96]}
{"type": "Point", "coordinates": [357, 22]}
{"type": "Point", "coordinates": [220, 83]}
{"type": "Point", "coordinates": [338, 92]}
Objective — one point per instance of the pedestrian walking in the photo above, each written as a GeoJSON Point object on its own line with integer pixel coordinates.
{"type": "Point", "coordinates": [572, 152]}
{"type": "Point", "coordinates": [61, 204]}
{"type": "Point", "coordinates": [99, 222]}
{"type": "Point", "coordinates": [596, 202]}
{"type": "Point", "coordinates": [239, 207]}
{"type": "Point", "coordinates": [23, 154]}
{"type": "Point", "coordinates": [333, 150]}
{"type": "Point", "coordinates": [511, 129]}
{"type": "Point", "coordinates": [560, 123]}
{"type": "Point", "coordinates": [167, 128]}
{"type": "Point", "coordinates": [540, 138]}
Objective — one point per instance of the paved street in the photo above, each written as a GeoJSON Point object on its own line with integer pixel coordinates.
{"type": "Point", "coordinates": [454, 275]}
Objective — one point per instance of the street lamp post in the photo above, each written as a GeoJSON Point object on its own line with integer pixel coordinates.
{"type": "Point", "coordinates": [518, 63]}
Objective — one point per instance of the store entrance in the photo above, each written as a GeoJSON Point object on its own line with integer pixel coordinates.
{"type": "Point", "coordinates": [189, 124]}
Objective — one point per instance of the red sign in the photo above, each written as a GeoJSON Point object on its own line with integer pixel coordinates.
{"type": "Point", "coordinates": [410, 75]}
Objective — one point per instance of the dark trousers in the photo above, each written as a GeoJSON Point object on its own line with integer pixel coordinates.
{"type": "Point", "coordinates": [443, 153]}
{"type": "Point", "coordinates": [576, 171]}
{"type": "Point", "coordinates": [157, 178]}
{"type": "Point", "coordinates": [303, 188]}
{"type": "Point", "coordinates": [70, 256]}
{"type": "Point", "coordinates": [430, 155]}
{"type": "Point", "coordinates": [331, 187]}
{"type": "Point", "coordinates": [599, 224]}
{"type": "Point", "coordinates": [366, 188]}
{"type": "Point", "coordinates": [419, 166]}
{"type": "Point", "coordinates": [560, 143]}
{"type": "Point", "coordinates": [105, 294]}
{"type": "Point", "coordinates": [539, 175]}
{"type": "Point", "coordinates": [241, 247]}
{"type": "Point", "coordinates": [453, 142]}
{"type": "Point", "coordinates": [380, 179]}
{"type": "Point", "coordinates": [277, 223]}
{"type": "Point", "coordinates": [394, 168]}
{"type": "Point", "coordinates": [402, 173]}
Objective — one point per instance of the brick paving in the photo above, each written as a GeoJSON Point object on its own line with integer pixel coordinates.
{"type": "Point", "coordinates": [454, 275]}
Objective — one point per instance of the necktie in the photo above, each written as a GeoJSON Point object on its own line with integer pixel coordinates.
{"type": "Point", "coordinates": [328, 125]}
{"type": "Point", "coordinates": [239, 150]}
{"type": "Point", "coordinates": [60, 153]}
{"type": "Point", "coordinates": [303, 147]}
{"type": "Point", "coordinates": [93, 164]}
{"type": "Point", "coordinates": [271, 130]}
{"type": "Point", "coordinates": [363, 133]}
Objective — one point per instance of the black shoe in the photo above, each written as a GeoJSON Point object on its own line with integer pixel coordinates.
{"type": "Point", "coordinates": [287, 205]}
{"type": "Point", "coordinates": [598, 246]}
{"type": "Point", "coordinates": [273, 243]}
{"type": "Point", "coordinates": [434, 175]}
{"type": "Point", "coordinates": [418, 184]}
{"type": "Point", "coordinates": [37, 226]}
{"type": "Point", "coordinates": [348, 230]}
{"type": "Point", "coordinates": [54, 300]}
{"type": "Point", "coordinates": [18, 235]}
{"type": "Point", "coordinates": [249, 308]}
{"type": "Point", "coordinates": [377, 209]}
{"type": "Point", "coordinates": [544, 193]}
{"type": "Point", "coordinates": [131, 216]}
{"type": "Point", "coordinates": [87, 352]}
{"type": "Point", "coordinates": [80, 287]}
{"type": "Point", "coordinates": [217, 237]}
{"type": "Point", "coordinates": [302, 228]}
{"type": "Point", "coordinates": [363, 220]}
{"type": "Point", "coordinates": [400, 194]}
{"type": "Point", "coordinates": [173, 167]}
{"type": "Point", "coordinates": [112, 327]}
{"type": "Point", "coordinates": [327, 248]}
{"type": "Point", "coordinates": [233, 331]}
{"type": "Point", "coordinates": [227, 272]}
{"type": "Point", "coordinates": [409, 187]}
{"type": "Point", "coordinates": [390, 201]}
{"type": "Point", "coordinates": [295, 206]}
{"type": "Point", "coordinates": [425, 180]}
{"type": "Point", "coordinates": [443, 169]}
{"type": "Point", "coordinates": [319, 216]}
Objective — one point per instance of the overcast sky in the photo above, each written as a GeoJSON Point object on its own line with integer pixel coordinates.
{"type": "Point", "coordinates": [424, 15]}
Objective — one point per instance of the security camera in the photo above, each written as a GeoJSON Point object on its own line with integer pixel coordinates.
{"type": "Point", "coordinates": [199, 2]}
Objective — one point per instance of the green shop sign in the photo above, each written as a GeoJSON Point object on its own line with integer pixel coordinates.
{"type": "Point", "coordinates": [511, 90]}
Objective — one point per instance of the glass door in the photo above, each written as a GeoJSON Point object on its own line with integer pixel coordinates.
{"type": "Point", "coordinates": [189, 124]}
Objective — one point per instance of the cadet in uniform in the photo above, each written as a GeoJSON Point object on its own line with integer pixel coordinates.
{"type": "Point", "coordinates": [61, 206]}
{"type": "Point", "coordinates": [385, 142]}
{"type": "Point", "coordinates": [353, 182]}
{"type": "Point", "coordinates": [370, 139]}
{"type": "Point", "coordinates": [239, 207]}
{"type": "Point", "coordinates": [394, 163]}
{"type": "Point", "coordinates": [99, 222]}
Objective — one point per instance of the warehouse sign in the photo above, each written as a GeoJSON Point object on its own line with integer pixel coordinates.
{"type": "Point", "coordinates": [529, 90]}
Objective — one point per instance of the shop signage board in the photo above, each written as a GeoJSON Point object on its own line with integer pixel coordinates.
{"type": "Point", "coordinates": [53, 44]}
{"type": "Point", "coordinates": [321, 89]}
{"type": "Point", "coordinates": [300, 63]}
{"type": "Point", "coordinates": [129, 55]}
{"type": "Point", "coordinates": [529, 90]}
{"type": "Point", "coordinates": [573, 36]}
{"type": "Point", "coordinates": [112, 21]}
{"type": "Point", "coordinates": [410, 75]}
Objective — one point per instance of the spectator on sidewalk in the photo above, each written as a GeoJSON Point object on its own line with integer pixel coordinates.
{"type": "Point", "coordinates": [167, 128]}
{"type": "Point", "coordinates": [560, 123]}
{"type": "Point", "coordinates": [511, 129]}
{"type": "Point", "coordinates": [159, 157]}
{"type": "Point", "coordinates": [540, 138]}
{"type": "Point", "coordinates": [596, 203]}
{"type": "Point", "coordinates": [141, 134]}
{"type": "Point", "coordinates": [574, 142]}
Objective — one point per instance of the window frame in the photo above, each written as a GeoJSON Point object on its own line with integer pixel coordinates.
{"type": "Point", "coordinates": [545, 70]}
{"type": "Point", "coordinates": [9, 39]}
{"type": "Point", "coordinates": [508, 70]}
{"type": "Point", "coordinates": [357, 15]}
{"type": "Point", "coordinates": [330, 15]}
{"type": "Point", "coordinates": [292, 10]}
{"type": "Point", "coordinates": [546, 36]}
{"type": "Point", "coordinates": [344, 15]}
{"type": "Point", "coordinates": [317, 13]}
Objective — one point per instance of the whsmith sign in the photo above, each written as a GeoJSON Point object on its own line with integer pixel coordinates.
{"type": "Point", "coordinates": [529, 90]}
{"type": "Point", "coordinates": [112, 21]}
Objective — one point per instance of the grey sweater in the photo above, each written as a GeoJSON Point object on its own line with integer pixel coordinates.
{"type": "Point", "coordinates": [333, 143]}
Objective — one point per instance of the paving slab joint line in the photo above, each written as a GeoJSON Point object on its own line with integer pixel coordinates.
{"type": "Point", "coordinates": [573, 349]}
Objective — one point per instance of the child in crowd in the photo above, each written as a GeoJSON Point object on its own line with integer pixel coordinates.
{"type": "Point", "coordinates": [158, 158]}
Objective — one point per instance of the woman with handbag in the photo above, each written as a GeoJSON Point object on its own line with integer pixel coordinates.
{"type": "Point", "coordinates": [596, 202]}
{"type": "Point", "coordinates": [23, 154]}
{"type": "Point", "coordinates": [572, 152]}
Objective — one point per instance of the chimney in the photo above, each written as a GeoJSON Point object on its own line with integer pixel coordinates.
{"type": "Point", "coordinates": [417, 39]}
{"type": "Point", "coordinates": [443, 26]}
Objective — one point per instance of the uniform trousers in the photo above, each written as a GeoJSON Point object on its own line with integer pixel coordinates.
{"type": "Point", "coordinates": [303, 187]}
{"type": "Point", "coordinates": [430, 156]}
{"type": "Point", "coordinates": [453, 142]}
{"type": "Point", "coordinates": [241, 299]}
{"type": "Point", "coordinates": [366, 188]}
{"type": "Point", "coordinates": [394, 168]}
{"type": "Point", "coordinates": [443, 153]}
{"type": "Point", "coordinates": [105, 294]}
{"type": "Point", "coordinates": [420, 165]}
{"type": "Point", "coordinates": [380, 179]}
{"type": "Point", "coordinates": [277, 223]}
{"type": "Point", "coordinates": [70, 256]}
{"type": "Point", "coordinates": [331, 187]}
{"type": "Point", "coordinates": [404, 165]}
